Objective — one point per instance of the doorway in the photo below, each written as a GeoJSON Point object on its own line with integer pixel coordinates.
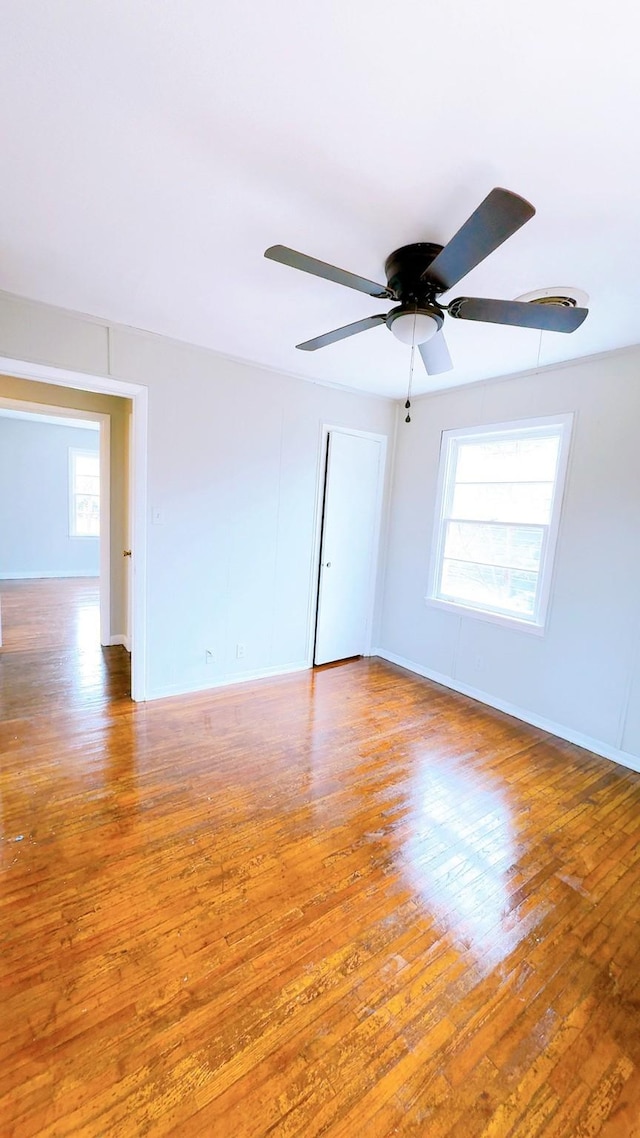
{"type": "Point", "coordinates": [55, 505]}
{"type": "Point", "coordinates": [350, 535]}
{"type": "Point", "coordinates": [134, 476]}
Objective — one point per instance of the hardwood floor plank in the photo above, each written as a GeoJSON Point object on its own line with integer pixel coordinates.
{"type": "Point", "coordinates": [342, 903]}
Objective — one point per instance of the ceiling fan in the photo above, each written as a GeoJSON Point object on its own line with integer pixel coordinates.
{"type": "Point", "coordinates": [417, 275]}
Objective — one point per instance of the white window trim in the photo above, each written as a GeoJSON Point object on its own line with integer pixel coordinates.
{"type": "Point", "coordinates": [547, 560]}
{"type": "Point", "coordinates": [73, 452]}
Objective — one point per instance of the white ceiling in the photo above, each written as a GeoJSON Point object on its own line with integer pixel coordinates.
{"type": "Point", "coordinates": [151, 152]}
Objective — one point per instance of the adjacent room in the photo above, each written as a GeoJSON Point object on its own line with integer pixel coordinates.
{"type": "Point", "coordinates": [319, 547]}
{"type": "Point", "coordinates": [50, 525]}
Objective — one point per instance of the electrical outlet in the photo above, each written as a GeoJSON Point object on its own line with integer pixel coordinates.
{"type": "Point", "coordinates": [240, 650]}
{"type": "Point", "coordinates": [208, 655]}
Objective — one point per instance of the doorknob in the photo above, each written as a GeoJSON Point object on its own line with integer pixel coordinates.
{"type": "Point", "coordinates": [126, 553]}
{"type": "Point", "coordinates": [328, 565]}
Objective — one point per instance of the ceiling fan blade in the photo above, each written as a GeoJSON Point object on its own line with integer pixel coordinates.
{"type": "Point", "coordinates": [500, 215]}
{"type": "Point", "coordinates": [435, 355]}
{"type": "Point", "coordinates": [342, 333]}
{"type": "Point", "coordinates": [523, 314]}
{"type": "Point", "coordinates": [330, 273]}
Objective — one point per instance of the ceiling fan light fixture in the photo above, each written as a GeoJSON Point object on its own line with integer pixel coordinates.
{"type": "Point", "coordinates": [413, 327]}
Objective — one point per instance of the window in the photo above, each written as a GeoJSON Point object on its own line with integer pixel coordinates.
{"type": "Point", "coordinates": [84, 493]}
{"type": "Point", "coordinates": [497, 516]}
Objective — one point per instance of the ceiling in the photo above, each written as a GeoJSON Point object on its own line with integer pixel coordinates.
{"type": "Point", "coordinates": [52, 420]}
{"type": "Point", "coordinates": [151, 152]}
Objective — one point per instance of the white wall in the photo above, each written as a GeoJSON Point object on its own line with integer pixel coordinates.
{"type": "Point", "coordinates": [233, 467]}
{"type": "Point", "coordinates": [34, 501]}
{"type": "Point", "coordinates": [234, 453]}
{"type": "Point", "coordinates": [583, 676]}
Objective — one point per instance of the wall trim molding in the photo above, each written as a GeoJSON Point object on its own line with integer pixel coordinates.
{"type": "Point", "coordinates": [120, 638]}
{"type": "Point", "coordinates": [596, 746]}
{"type": "Point", "coordinates": [42, 574]}
{"type": "Point", "coordinates": [230, 678]}
{"type": "Point", "coordinates": [242, 361]}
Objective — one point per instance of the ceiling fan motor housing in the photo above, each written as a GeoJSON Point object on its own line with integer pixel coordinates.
{"type": "Point", "coordinates": [405, 268]}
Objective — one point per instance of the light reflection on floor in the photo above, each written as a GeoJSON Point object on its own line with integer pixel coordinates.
{"type": "Point", "coordinates": [90, 663]}
{"type": "Point", "coordinates": [458, 855]}
{"type": "Point", "coordinates": [87, 626]}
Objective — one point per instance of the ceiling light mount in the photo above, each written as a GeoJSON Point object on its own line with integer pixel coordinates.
{"type": "Point", "coordinates": [565, 296]}
{"type": "Point", "coordinates": [563, 301]}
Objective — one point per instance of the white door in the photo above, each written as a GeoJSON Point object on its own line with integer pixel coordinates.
{"type": "Point", "coordinates": [352, 503]}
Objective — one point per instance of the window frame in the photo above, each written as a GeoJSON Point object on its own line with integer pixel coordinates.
{"type": "Point", "coordinates": [74, 453]}
{"type": "Point", "coordinates": [444, 493]}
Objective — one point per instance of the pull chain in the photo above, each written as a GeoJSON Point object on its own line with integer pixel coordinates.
{"type": "Point", "coordinates": [413, 353]}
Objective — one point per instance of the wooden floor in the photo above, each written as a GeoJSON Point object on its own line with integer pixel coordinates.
{"type": "Point", "coordinates": [345, 902]}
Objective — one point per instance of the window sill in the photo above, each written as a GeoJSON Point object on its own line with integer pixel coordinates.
{"type": "Point", "coordinates": [492, 617]}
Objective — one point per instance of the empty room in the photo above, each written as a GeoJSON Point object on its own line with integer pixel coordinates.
{"type": "Point", "coordinates": [319, 548]}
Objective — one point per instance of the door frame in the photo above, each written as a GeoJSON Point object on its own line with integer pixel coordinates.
{"type": "Point", "coordinates": [138, 394]}
{"type": "Point", "coordinates": [325, 430]}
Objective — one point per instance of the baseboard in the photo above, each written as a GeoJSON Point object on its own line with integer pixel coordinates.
{"type": "Point", "coordinates": [228, 679]}
{"type": "Point", "coordinates": [45, 574]}
{"type": "Point", "coordinates": [120, 638]}
{"type": "Point", "coordinates": [624, 758]}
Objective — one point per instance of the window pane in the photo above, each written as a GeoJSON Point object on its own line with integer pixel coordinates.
{"type": "Point", "coordinates": [87, 527]}
{"type": "Point", "coordinates": [85, 493]}
{"type": "Point", "coordinates": [87, 523]}
{"type": "Point", "coordinates": [508, 546]}
{"type": "Point", "coordinates": [503, 502]}
{"type": "Point", "coordinates": [495, 539]}
{"type": "Point", "coordinates": [508, 460]}
{"type": "Point", "coordinates": [87, 484]}
{"type": "Point", "coordinates": [88, 464]}
{"type": "Point", "coordinates": [88, 504]}
{"type": "Point", "coordinates": [490, 587]}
